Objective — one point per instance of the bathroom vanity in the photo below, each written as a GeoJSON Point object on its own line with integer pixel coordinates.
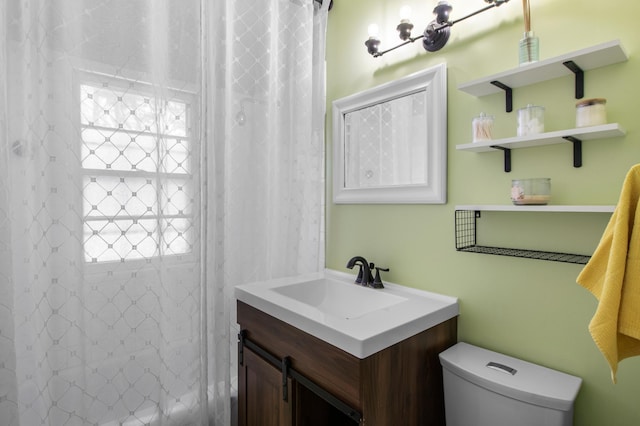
{"type": "Point", "coordinates": [301, 365]}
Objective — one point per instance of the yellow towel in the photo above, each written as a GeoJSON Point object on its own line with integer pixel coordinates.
{"type": "Point", "coordinates": [613, 276]}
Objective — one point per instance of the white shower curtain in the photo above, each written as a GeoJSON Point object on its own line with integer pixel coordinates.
{"type": "Point", "coordinates": [134, 196]}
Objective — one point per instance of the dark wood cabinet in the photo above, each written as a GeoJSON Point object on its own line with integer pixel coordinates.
{"type": "Point", "coordinates": [262, 403]}
{"type": "Point", "coordinates": [401, 384]}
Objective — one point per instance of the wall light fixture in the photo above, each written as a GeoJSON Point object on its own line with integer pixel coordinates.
{"type": "Point", "coordinates": [435, 35]}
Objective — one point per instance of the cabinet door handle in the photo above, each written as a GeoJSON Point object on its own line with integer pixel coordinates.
{"type": "Point", "coordinates": [241, 336]}
{"type": "Point", "coordinates": [285, 364]}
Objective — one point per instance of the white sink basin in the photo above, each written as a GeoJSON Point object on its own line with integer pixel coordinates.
{"type": "Point", "coordinates": [336, 298]}
{"type": "Point", "coordinates": [356, 319]}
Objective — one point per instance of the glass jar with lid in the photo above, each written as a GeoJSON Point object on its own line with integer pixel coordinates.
{"type": "Point", "coordinates": [530, 120]}
{"type": "Point", "coordinates": [591, 112]}
{"type": "Point", "coordinates": [482, 127]}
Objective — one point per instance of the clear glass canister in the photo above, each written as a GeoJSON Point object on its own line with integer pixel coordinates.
{"type": "Point", "coordinates": [530, 120]}
{"type": "Point", "coordinates": [482, 127]}
{"type": "Point", "coordinates": [531, 191]}
{"type": "Point", "coordinates": [591, 112]}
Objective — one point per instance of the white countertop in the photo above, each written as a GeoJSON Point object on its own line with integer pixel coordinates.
{"type": "Point", "coordinates": [356, 319]}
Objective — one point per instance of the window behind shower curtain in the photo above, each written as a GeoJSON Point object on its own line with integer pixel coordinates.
{"type": "Point", "coordinates": [138, 170]}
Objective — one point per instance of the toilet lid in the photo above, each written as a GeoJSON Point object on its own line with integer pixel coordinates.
{"type": "Point", "coordinates": [512, 377]}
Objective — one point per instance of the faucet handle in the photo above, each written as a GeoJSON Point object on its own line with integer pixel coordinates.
{"type": "Point", "coordinates": [377, 282]}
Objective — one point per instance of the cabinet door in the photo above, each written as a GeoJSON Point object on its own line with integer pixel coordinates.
{"type": "Point", "coordinates": [311, 410]}
{"type": "Point", "coordinates": [260, 401]}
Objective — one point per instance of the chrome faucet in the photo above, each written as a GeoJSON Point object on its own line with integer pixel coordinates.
{"type": "Point", "coordinates": [365, 277]}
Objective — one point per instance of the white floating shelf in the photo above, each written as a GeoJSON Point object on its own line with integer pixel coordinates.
{"type": "Point", "coordinates": [531, 208]}
{"type": "Point", "coordinates": [583, 133]}
{"type": "Point", "coordinates": [590, 58]}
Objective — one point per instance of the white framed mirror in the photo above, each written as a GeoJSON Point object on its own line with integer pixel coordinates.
{"type": "Point", "coordinates": [390, 142]}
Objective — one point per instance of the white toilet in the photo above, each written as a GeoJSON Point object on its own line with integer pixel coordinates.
{"type": "Point", "coordinates": [484, 388]}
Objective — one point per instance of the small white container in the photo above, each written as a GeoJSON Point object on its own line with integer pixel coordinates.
{"type": "Point", "coordinates": [482, 127]}
{"type": "Point", "coordinates": [591, 112]}
{"type": "Point", "coordinates": [530, 120]}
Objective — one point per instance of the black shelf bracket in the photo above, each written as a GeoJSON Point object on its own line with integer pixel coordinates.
{"type": "Point", "coordinates": [572, 66]}
{"type": "Point", "coordinates": [577, 150]}
{"type": "Point", "coordinates": [579, 77]}
{"type": "Point", "coordinates": [466, 241]}
{"type": "Point", "coordinates": [508, 94]}
{"type": "Point", "coordinates": [507, 157]}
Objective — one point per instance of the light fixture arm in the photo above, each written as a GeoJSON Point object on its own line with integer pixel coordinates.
{"type": "Point", "coordinates": [436, 34]}
{"type": "Point", "coordinates": [496, 3]}
{"type": "Point", "coordinates": [409, 40]}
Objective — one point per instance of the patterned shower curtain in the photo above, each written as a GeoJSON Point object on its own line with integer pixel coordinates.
{"type": "Point", "coordinates": [133, 197]}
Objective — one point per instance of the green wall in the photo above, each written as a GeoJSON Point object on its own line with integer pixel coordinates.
{"type": "Point", "coordinates": [526, 308]}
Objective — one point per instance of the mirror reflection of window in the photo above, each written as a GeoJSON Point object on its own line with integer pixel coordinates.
{"type": "Point", "coordinates": [384, 143]}
{"type": "Point", "coordinates": [390, 142]}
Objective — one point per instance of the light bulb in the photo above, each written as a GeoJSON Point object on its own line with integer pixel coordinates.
{"type": "Point", "coordinates": [405, 13]}
{"type": "Point", "coordinates": [405, 26]}
{"type": "Point", "coordinates": [373, 30]}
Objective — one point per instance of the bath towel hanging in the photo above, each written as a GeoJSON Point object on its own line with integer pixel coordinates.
{"type": "Point", "coordinates": [612, 275]}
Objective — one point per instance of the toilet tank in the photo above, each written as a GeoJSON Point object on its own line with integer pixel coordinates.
{"type": "Point", "coordinates": [485, 388]}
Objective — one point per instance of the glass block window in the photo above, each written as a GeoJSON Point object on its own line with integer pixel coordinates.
{"type": "Point", "coordinates": [137, 162]}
